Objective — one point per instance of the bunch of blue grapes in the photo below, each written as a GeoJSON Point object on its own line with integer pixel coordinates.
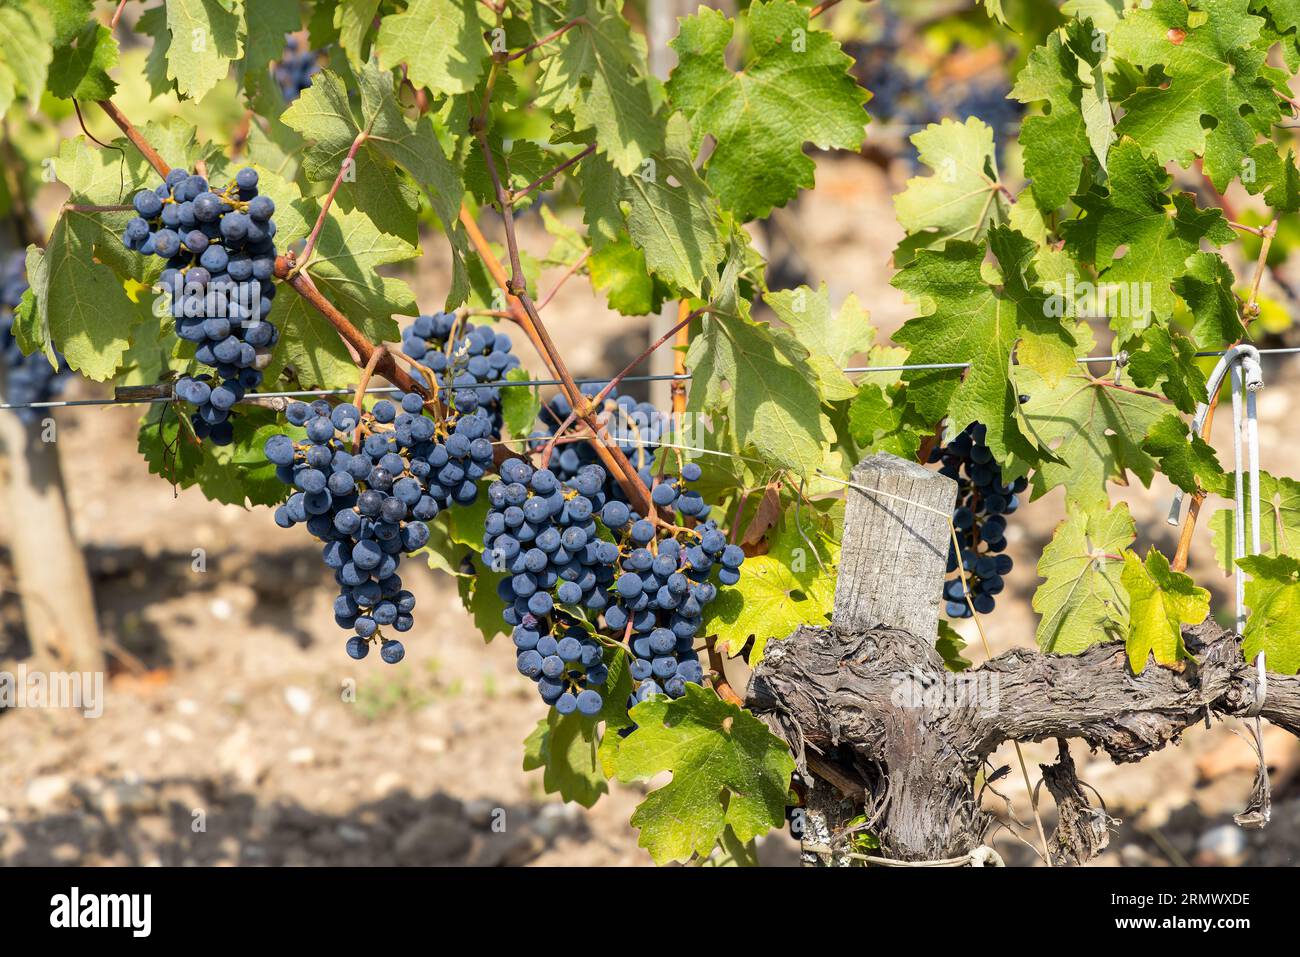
{"type": "Point", "coordinates": [27, 378]}
{"type": "Point", "coordinates": [220, 251]}
{"type": "Point", "coordinates": [461, 356]}
{"type": "Point", "coordinates": [983, 503]}
{"type": "Point", "coordinates": [296, 68]}
{"type": "Point", "coordinates": [369, 504]}
{"type": "Point", "coordinates": [635, 427]}
{"type": "Point", "coordinates": [573, 554]}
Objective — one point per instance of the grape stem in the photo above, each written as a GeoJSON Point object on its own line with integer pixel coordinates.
{"type": "Point", "coordinates": [568, 273]}
{"type": "Point", "coordinates": [553, 35]}
{"type": "Point", "coordinates": [362, 384]}
{"type": "Point", "coordinates": [627, 370]}
{"type": "Point", "coordinates": [517, 195]}
{"type": "Point", "coordinates": [525, 316]}
{"type": "Point", "coordinates": [136, 137]}
{"type": "Point", "coordinates": [347, 164]}
{"type": "Point", "coordinates": [385, 366]}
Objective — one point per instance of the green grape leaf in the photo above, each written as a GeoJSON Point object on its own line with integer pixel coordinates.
{"type": "Point", "coordinates": [325, 117]}
{"type": "Point", "coordinates": [267, 23]}
{"type": "Point", "coordinates": [1168, 360]}
{"type": "Point", "coordinates": [792, 87]}
{"type": "Point", "coordinates": [619, 270]}
{"type": "Point", "coordinates": [601, 188]}
{"type": "Point", "coordinates": [757, 375]}
{"type": "Point", "coordinates": [964, 318]}
{"type": "Point", "coordinates": [1276, 178]}
{"type": "Point", "coordinates": [1214, 68]}
{"type": "Point", "coordinates": [1206, 287]}
{"type": "Point", "coordinates": [1285, 14]}
{"type": "Point", "coordinates": [354, 19]}
{"type": "Point", "coordinates": [1192, 466]}
{"type": "Point", "coordinates": [1133, 214]}
{"type": "Point", "coordinates": [950, 644]}
{"type": "Point", "coordinates": [440, 42]}
{"type": "Point", "coordinates": [787, 587]}
{"type": "Point", "coordinates": [598, 74]}
{"type": "Point", "coordinates": [519, 404]}
{"type": "Point", "coordinates": [1279, 520]}
{"type": "Point", "coordinates": [676, 226]}
{"type": "Point", "coordinates": [27, 39]}
{"type": "Point", "coordinates": [348, 251]}
{"type": "Point", "coordinates": [1059, 142]}
{"type": "Point", "coordinates": [962, 199]}
{"type": "Point", "coordinates": [1273, 597]}
{"type": "Point", "coordinates": [79, 68]}
{"type": "Point", "coordinates": [831, 339]}
{"type": "Point", "coordinates": [204, 41]}
{"type": "Point", "coordinates": [78, 304]}
{"type": "Point", "coordinates": [880, 420]}
{"type": "Point", "coordinates": [728, 771]}
{"type": "Point", "coordinates": [236, 474]}
{"type": "Point", "coordinates": [1081, 601]}
{"type": "Point", "coordinates": [568, 747]}
{"type": "Point", "coordinates": [1161, 601]}
{"type": "Point", "coordinates": [1094, 431]}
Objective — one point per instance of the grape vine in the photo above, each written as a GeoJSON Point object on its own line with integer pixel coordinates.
{"type": "Point", "coordinates": [1074, 255]}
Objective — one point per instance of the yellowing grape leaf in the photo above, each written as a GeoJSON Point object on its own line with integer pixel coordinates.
{"type": "Point", "coordinates": [831, 339]}
{"type": "Point", "coordinates": [1161, 601]}
{"type": "Point", "coordinates": [779, 591]}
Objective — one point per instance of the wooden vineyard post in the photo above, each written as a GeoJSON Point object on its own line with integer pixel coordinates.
{"type": "Point", "coordinates": [57, 601]}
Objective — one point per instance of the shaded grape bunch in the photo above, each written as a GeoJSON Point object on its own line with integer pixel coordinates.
{"type": "Point", "coordinates": [27, 378]}
{"type": "Point", "coordinates": [369, 504]}
{"type": "Point", "coordinates": [461, 356]}
{"type": "Point", "coordinates": [220, 252]}
{"type": "Point", "coordinates": [983, 502]}
{"type": "Point", "coordinates": [296, 68]}
{"type": "Point", "coordinates": [636, 427]}
{"type": "Point", "coordinates": [572, 553]}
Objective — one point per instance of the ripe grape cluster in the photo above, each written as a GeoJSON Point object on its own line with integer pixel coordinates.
{"type": "Point", "coordinates": [27, 378]}
{"type": "Point", "coordinates": [575, 555]}
{"type": "Point", "coordinates": [220, 252]}
{"type": "Point", "coordinates": [983, 502]}
{"type": "Point", "coordinates": [295, 69]}
{"type": "Point", "coordinates": [369, 503]}
{"type": "Point", "coordinates": [636, 427]}
{"type": "Point", "coordinates": [461, 356]}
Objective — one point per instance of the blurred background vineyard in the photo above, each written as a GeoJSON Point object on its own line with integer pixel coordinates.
{"type": "Point", "coordinates": [224, 684]}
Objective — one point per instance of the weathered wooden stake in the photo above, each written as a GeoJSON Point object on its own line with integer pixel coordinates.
{"type": "Point", "coordinates": [895, 548]}
{"type": "Point", "coordinates": [57, 601]}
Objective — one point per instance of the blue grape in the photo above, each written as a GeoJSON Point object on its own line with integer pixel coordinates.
{"type": "Point", "coordinates": [983, 502]}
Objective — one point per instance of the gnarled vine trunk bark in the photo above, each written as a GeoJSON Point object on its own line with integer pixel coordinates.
{"type": "Point", "coordinates": [868, 704]}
